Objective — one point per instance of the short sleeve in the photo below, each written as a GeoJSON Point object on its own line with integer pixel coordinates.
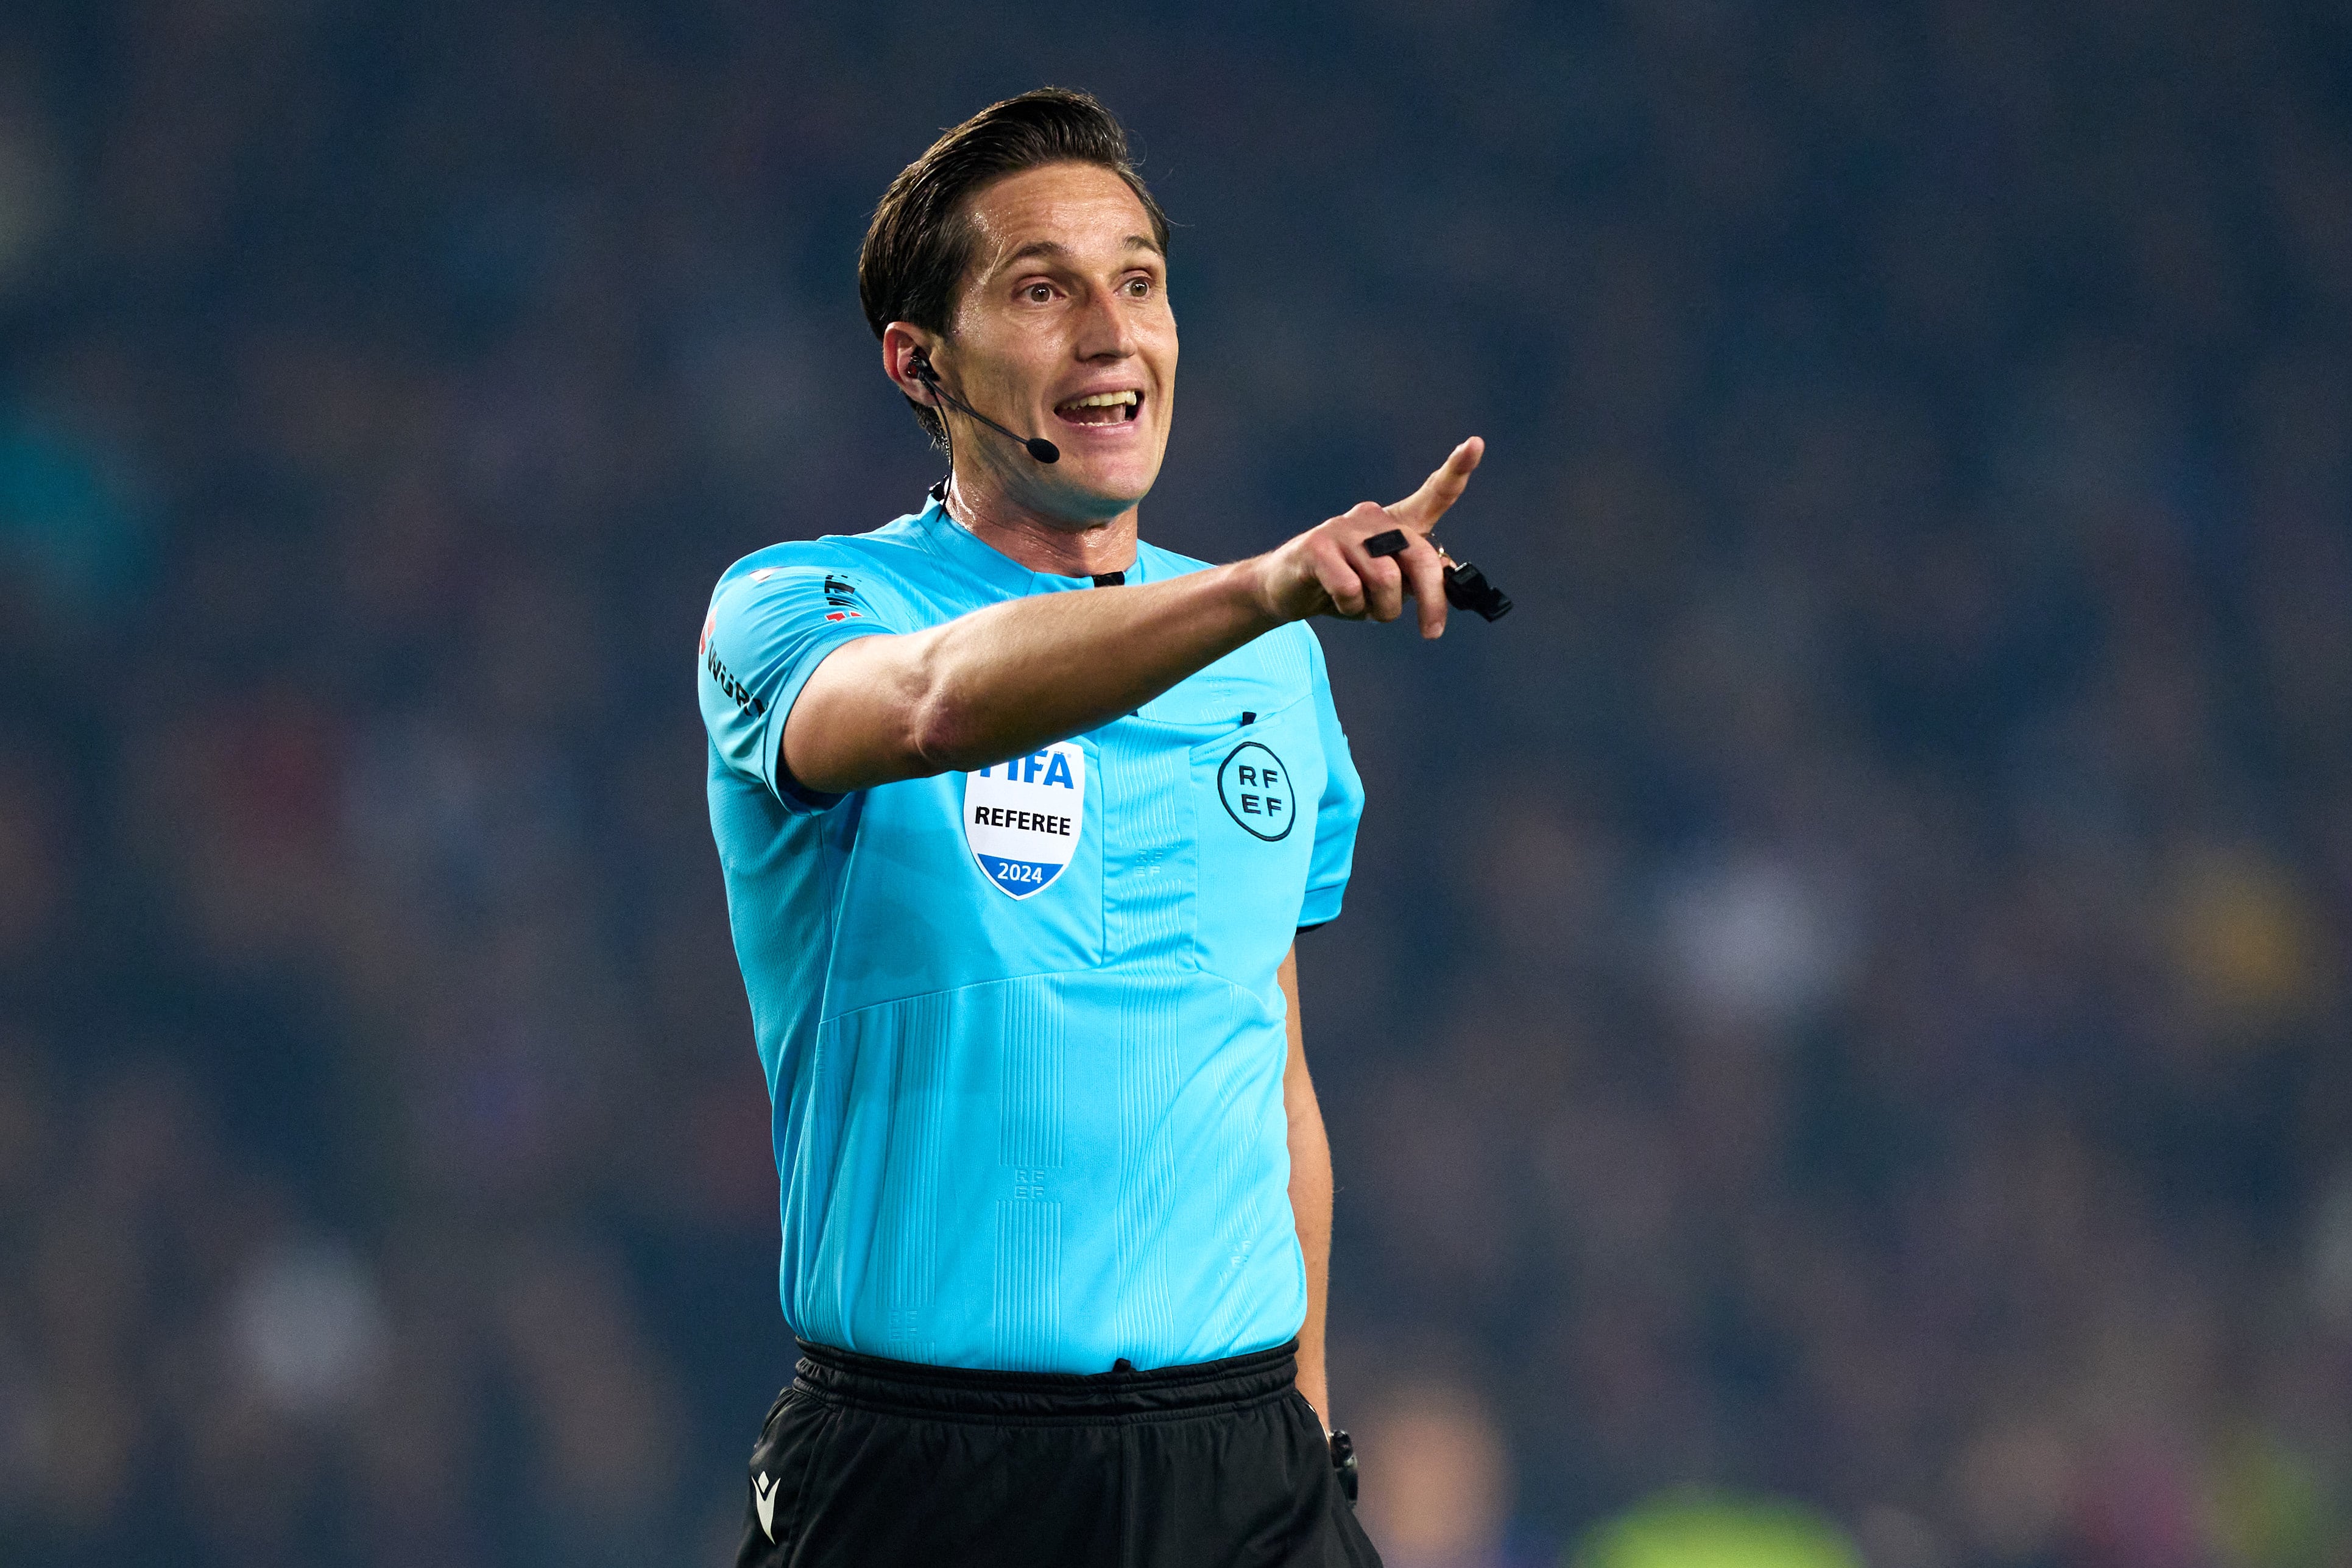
{"type": "Point", "coordinates": [767, 631]}
{"type": "Point", "coordinates": [1337, 812]}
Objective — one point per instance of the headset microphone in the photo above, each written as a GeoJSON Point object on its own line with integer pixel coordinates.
{"type": "Point", "coordinates": [1037, 447]}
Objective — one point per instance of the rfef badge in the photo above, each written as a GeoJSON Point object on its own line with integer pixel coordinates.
{"type": "Point", "coordinates": [1023, 818]}
{"type": "Point", "coordinates": [1255, 785]}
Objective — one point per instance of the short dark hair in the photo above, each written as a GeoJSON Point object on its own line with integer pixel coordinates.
{"type": "Point", "coordinates": [919, 242]}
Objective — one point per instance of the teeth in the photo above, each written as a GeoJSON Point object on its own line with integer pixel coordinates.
{"type": "Point", "coordinates": [1102, 400]}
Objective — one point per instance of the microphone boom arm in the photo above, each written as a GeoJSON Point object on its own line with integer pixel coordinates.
{"type": "Point", "coordinates": [1037, 447]}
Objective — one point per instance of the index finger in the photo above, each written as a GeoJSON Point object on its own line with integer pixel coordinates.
{"type": "Point", "coordinates": [1443, 489]}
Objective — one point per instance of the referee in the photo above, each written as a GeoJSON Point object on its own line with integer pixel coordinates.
{"type": "Point", "coordinates": [1019, 817]}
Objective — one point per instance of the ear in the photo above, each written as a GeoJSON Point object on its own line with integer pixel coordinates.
{"type": "Point", "coordinates": [903, 345]}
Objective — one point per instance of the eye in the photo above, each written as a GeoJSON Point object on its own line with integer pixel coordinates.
{"type": "Point", "coordinates": [1038, 293]}
{"type": "Point", "coordinates": [1139, 287]}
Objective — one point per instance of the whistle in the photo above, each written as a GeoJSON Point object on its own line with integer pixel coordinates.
{"type": "Point", "coordinates": [1466, 587]}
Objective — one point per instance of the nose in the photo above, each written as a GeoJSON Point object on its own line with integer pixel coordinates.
{"type": "Point", "coordinates": [1105, 333]}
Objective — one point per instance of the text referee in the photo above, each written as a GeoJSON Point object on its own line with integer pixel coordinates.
{"type": "Point", "coordinates": [1019, 817]}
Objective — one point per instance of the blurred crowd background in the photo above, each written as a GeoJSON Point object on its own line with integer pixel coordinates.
{"type": "Point", "coordinates": [1842, 1006]}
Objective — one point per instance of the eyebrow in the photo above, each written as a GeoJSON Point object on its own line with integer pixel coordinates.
{"type": "Point", "coordinates": [1054, 250]}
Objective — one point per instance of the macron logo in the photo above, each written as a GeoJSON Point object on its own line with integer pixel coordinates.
{"type": "Point", "coordinates": [763, 1489]}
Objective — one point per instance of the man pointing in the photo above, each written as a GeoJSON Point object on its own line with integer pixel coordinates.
{"type": "Point", "coordinates": [1019, 817]}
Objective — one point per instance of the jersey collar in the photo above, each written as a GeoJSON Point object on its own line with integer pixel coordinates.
{"type": "Point", "coordinates": [992, 565]}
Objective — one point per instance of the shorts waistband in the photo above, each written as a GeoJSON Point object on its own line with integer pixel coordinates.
{"type": "Point", "coordinates": [874, 1383]}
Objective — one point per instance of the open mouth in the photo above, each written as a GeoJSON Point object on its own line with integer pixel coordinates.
{"type": "Point", "coordinates": [1100, 408]}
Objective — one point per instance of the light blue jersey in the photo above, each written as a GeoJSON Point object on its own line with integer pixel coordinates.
{"type": "Point", "coordinates": [1021, 1025]}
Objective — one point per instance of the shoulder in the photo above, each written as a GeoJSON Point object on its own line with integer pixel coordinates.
{"type": "Point", "coordinates": [889, 552]}
{"type": "Point", "coordinates": [790, 592]}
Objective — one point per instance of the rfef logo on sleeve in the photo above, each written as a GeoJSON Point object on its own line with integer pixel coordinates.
{"type": "Point", "coordinates": [1023, 818]}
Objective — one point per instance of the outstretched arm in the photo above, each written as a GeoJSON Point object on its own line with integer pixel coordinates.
{"type": "Point", "coordinates": [1013, 677]}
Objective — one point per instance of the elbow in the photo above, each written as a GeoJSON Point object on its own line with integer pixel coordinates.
{"type": "Point", "coordinates": [932, 722]}
{"type": "Point", "coordinates": [1300, 1110]}
{"type": "Point", "coordinates": [941, 736]}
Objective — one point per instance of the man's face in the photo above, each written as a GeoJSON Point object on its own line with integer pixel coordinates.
{"type": "Point", "coordinates": [1062, 330]}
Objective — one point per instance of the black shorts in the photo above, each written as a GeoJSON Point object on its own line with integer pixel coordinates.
{"type": "Point", "coordinates": [867, 1463]}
